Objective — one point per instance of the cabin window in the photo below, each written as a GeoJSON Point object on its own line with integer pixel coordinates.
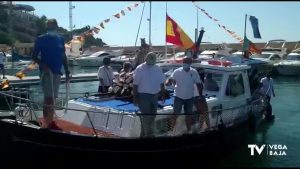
{"type": "Point", "coordinates": [235, 85]}
{"type": "Point", "coordinates": [212, 81]}
{"type": "Point", "coordinates": [275, 57]}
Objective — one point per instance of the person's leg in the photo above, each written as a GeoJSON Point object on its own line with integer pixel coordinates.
{"type": "Point", "coordinates": [48, 86]}
{"type": "Point", "coordinates": [48, 112]}
{"type": "Point", "coordinates": [188, 109]}
{"type": "Point", "coordinates": [177, 107]}
{"type": "Point", "coordinates": [204, 117]}
{"type": "Point", "coordinates": [144, 106]}
{"type": "Point", "coordinates": [2, 70]}
{"type": "Point", "coordinates": [153, 110]}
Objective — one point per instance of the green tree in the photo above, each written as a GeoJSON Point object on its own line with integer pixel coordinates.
{"type": "Point", "coordinates": [41, 25]}
{"type": "Point", "coordinates": [6, 38]}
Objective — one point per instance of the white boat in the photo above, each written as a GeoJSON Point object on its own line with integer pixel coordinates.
{"type": "Point", "coordinates": [95, 59]}
{"type": "Point", "coordinates": [122, 119]}
{"type": "Point", "coordinates": [290, 66]}
{"type": "Point", "coordinates": [273, 52]}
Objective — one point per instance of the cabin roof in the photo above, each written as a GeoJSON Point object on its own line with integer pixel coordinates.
{"type": "Point", "coordinates": [232, 68]}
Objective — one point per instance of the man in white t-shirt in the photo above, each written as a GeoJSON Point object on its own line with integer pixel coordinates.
{"type": "Point", "coordinates": [148, 81]}
{"type": "Point", "coordinates": [267, 86]}
{"type": "Point", "coordinates": [184, 79]}
{"type": "Point", "coordinates": [2, 60]}
{"type": "Point", "coordinates": [105, 76]}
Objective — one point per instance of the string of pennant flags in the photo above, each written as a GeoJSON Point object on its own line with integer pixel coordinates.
{"type": "Point", "coordinates": [231, 33]}
{"type": "Point", "coordinates": [101, 25]}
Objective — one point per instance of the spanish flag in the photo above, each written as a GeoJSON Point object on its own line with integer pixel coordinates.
{"type": "Point", "coordinates": [248, 45]}
{"type": "Point", "coordinates": [176, 36]}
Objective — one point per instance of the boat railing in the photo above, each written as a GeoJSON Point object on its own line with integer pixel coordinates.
{"type": "Point", "coordinates": [217, 115]}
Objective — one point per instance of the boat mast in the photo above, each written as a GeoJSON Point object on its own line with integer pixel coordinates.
{"type": "Point", "coordinates": [10, 25]}
{"type": "Point", "coordinates": [71, 7]}
{"type": "Point", "coordinates": [150, 25]}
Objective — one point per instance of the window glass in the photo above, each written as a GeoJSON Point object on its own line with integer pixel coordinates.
{"type": "Point", "coordinates": [235, 85]}
{"type": "Point", "coordinates": [212, 81]}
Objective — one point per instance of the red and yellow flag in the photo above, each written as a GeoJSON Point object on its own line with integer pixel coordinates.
{"type": "Point", "coordinates": [176, 36]}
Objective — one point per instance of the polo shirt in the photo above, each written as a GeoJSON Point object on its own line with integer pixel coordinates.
{"type": "Point", "coordinates": [148, 78]}
{"type": "Point", "coordinates": [185, 82]}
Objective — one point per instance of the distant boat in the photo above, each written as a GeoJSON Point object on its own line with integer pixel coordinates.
{"type": "Point", "coordinates": [290, 66]}
{"type": "Point", "coordinates": [96, 59]}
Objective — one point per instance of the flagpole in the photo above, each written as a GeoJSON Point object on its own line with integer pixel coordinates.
{"type": "Point", "coordinates": [196, 32]}
{"type": "Point", "coordinates": [243, 52]}
{"type": "Point", "coordinates": [245, 25]}
{"type": "Point", "coordinates": [150, 19]}
{"type": "Point", "coordinates": [166, 50]}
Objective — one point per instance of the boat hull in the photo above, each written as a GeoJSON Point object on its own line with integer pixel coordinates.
{"type": "Point", "coordinates": [32, 139]}
{"type": "Point", "coordinates": [288, 70]}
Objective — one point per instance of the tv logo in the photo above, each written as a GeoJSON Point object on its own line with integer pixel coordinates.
{"type": "Point", "coordinates": [271, 149]}
{"type": "Point", "coordinates": [255, 147]}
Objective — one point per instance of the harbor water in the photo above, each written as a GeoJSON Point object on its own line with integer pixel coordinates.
{"type": "Point", "coordinates": [284, 131]}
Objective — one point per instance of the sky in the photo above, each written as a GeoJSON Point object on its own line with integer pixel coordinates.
{"type": "Point", "coordinates": [277, 19]}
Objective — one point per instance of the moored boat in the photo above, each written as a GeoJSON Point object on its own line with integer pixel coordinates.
{"type": "Point", "coordinates": [112, 124]}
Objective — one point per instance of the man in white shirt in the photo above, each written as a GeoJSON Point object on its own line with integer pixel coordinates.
{"type": "Point", "coordinates": [148, 81]}
{"type": "Point", "coordinates": [2, 60]}
{"type": "Point", "coordinates": [267, 86]}
{"type": "Point", "coordinates": [184, 79]}
{"type": "Point", "coordinates": [105, 76]}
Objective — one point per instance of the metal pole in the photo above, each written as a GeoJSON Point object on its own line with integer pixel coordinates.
{"type": "Point", "coordinates": [137, 35]}
{"type": "Point", "coordinates": [245, 25]}
{"type": "Point", "coordinates": [243, 52]}
{"type": "Point", "coordinates": [197, 26]}
{"type": "Point", "coordinates": [70, 16]}
{"type": "Point", "coordinates": [10, 25]}
{"type": "Point", "coordinates": [150, 19]}
{"type": "Point", "coordinates": [166, 50]}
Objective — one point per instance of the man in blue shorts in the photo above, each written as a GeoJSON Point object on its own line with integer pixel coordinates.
{"type": "Point", "coordinates": [51, 47]}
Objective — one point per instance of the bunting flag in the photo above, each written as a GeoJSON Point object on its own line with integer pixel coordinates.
{"type": "Point", "coordinates": [97, 28]}
{"type": "Point", "coordinates": [123, 13]}
{"type": "Point", "coordinates": [176, 36]}
{"type": "Point", "coordinates": [102, 25]}
{"type": "Point", "coordinates": [249, 46]}
{"type": "Point", "coordinates": [254, 24]}
{"type": "Point", "coordinates": [117, 15]}
{"type": "Point", "coordinates": [231, 33]}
